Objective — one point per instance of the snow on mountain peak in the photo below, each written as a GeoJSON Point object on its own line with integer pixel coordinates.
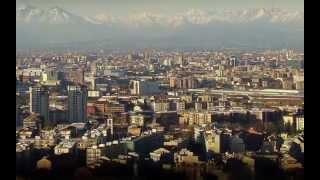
{"type": "Point", "coordinates": [54, 15]}
{"type": "Point", "coordinates": [28, 13]}
{"type": "Point", "coordinates": [57, 15]}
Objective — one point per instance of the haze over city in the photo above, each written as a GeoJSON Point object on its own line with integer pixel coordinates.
{"type": "Point", "coordinates": [160, 89]}
{"type": "Point", "coordinates": [140, 24]}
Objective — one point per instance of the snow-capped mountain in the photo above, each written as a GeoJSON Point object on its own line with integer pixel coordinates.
{"type": "Point", "coordinates": [54, 15]}
{"type": "Point", "coordinates": [28, 14]}
{"type": "Point", "coordinates": [58, 15]}
{"type": "Point", "coordinates": [195, 27]}
{"type": "Point", "coordinates": [201, 17]}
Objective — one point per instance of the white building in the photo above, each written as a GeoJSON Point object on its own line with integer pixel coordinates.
{"type": "Point", "coordinates": [93, 155]}
{"type": "Point", "coordinates": [143, 87]}
{"type": "Point", "coordinates": [288, 119]}
{"type": "Point", "coordinates": [185, 156]}
{"type": "Point", "coordinates": [137, 120]}
{"type": "Point", "coordinates": [64, 147]}
{"type": "Point", "coordinates": [300, 123]}
{"type": "Point", "coordinates": [158, 153]}
{"type": "Point", "coordinates": [160, 106]}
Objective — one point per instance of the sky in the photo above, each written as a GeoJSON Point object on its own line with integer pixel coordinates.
{"type": "Point", "coordinates": [123, 7]}
{"type": "Point", "coordinates": [186, 33]}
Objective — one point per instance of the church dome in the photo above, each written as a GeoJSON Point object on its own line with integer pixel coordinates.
{"type": "Point", "coordinates": [44, 163]}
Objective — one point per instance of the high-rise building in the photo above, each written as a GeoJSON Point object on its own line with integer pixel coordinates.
{"type": "Point", "coordinates": [237, 144]}
{"type": "Point", "coordinates": [50, 74]}
{"type": "Point", "coordinates": [39, 103]}
{"type": "Point", "coordinates": [300, 123]}
{"type": "Point", "coordinates": [93, 68]}
{"type": "Point", "coordinates": [76, 75]}
{"type": "Point", "coordinates": [185, 156]}
{"type": "Point", "coordinates": [93, 155]}
{"type": "Point", "coordinates": [77, 103]}
{"type": "Point", "coordinates": [220, 72]}
{"type": "Point", "coordinates": [18, 121]}
{"type": "Point", "coordinates": [183, 83]}
{"type": "Point", "coordinates": [113, 108]}
{"type": "Point", "coordinates": [110, 125]}
{"type": "Point", "coordinates": [33, 121]}
{"type": "Point", "coordinates": [144, 87]}
{"type": "Point", "coordinates": [198, 134]}
{"type": "Point", "coordinates": [178, 106]}
{"type": "Point", "coordinates": [221, 141]}
{"type": "Point", "coordinates": [160, 106]}
{"type": "Point", "coordinates": [193, 117]}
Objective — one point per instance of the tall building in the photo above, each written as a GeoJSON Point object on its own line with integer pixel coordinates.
{"type": "Point", "coordinates": [143, 145]}
{"type": "Point", "coordinates": [50, 74]}
{"type": "Point", "coordinates": [33, 121]}
{"type": "Point", "coordinates": [144, 87]}
{"type": "Point", "coordinates": [221, 141]}
{"type": "Point", "coordinates": [162, 106]}
{"type": "Point", "coordinates": [110, 125]}
{"type": "Point", "coordinates": [195, 118]}
{"type": "Point", "coordinates": [39, 103]}
{"type": "Point", "coordinates": [93, 155]}
{"type": "Point", "coordinates": [300, 123]}
{"type": "Point", "coordinates": [113, 107]}
{"type": "Point", "coordinates": [77, 103]}
{"type": "Point", "coordinates": [178, 106]}
{"type": "Point", "coordinates": [198, 134]}
{"type": "Point", "coordinates": [180, 60]}
{"type": "Point", "coordinates": [183, 83]}
{"type": "Point", "coordinates": [18, 121]}
{"type": "Point", "coordinates": [220, 72]}
{"type": "Point", "coordinates": [76, 75]}
{"type": "Point", "coordinates": [185, 156]}
{"type": "Point", "coordinates": [237, 144]}
{"type": "Point", "coordinates": [93, 68]}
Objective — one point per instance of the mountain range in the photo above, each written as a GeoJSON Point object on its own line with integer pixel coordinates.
{"type": "Point", "coordinates": [248, 28]}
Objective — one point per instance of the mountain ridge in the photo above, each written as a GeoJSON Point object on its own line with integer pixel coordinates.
{"type": "Point", "coordinates": [249, 27]}
{"type": "Point", "coordinates": [193, 16]}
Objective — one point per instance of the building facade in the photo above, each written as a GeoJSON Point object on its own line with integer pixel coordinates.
{"type": "Point", "coordinates": [39, 102]}
{"type": "Point", "coordinates": [77, 103]}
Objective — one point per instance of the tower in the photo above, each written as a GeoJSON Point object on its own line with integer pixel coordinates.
{"type": "Point", "coordinates": [77, 103]}
{"type": "Point", "coordinates": [134, 87]}
{"type": "Point", "coordinates": [110, 125]}
{"type": "Point", "coordinates": [18, 121]}
{"type": "Point", "coordinates": [39, 102]}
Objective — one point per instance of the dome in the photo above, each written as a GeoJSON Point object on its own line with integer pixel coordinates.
{"type": "Point", "coordinates": [44, 163]}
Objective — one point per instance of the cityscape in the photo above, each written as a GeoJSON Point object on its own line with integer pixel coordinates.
{"type": "Point", "coordinates": [181, 112]}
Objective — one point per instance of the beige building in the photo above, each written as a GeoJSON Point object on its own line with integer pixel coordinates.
{"type": "Point", "coordinates": [158, 153]}
{"type": "Point", "coordinates": [185, 156]}
{"type": "Point", "coordinates": [300, 123]}
{"type": "Point", "coordinates": [93, 155]}
{"type": "Point", "coordinates": [160, 106]}
{"type": "Point", "coordinates": [288, 119]}
{"type": "Point", "coordinates": [195, 118]}
{"type": "Point", "coordinates": [186, 98]}
{"type": "Point", "coordinates": [137, 120]}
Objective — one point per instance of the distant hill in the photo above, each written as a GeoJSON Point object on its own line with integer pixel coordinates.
{"type": "Point", "coordinates": [251, 28]}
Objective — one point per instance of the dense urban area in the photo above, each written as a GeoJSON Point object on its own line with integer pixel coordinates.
{"type": "Point", "coordinates": [196, 114]}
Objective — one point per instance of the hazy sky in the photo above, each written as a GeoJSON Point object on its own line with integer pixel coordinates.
{"type": "Point", "coordinates": [121, 7]}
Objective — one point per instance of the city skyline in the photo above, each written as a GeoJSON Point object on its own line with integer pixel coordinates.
{"type": "Point", "coordinates": [160, 89]}
{"type": "Point", "coordinates": [161, 109]}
